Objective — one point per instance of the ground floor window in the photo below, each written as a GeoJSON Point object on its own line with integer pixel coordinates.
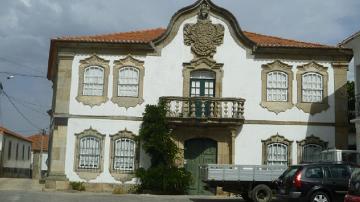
{"type": "Point", "coordinates": [309, 149]}
{"type": "Point", "coordinates": [276, 150]}
{"type": "Point", "coordinates": [124, 154]}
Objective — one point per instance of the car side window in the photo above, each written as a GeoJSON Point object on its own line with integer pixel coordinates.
{"type": "Point", "coordinates": [314, 173]}
{"type": "Point", "coordinates": [340, 172]}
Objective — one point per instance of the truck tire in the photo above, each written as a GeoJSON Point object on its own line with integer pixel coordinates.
{"type": "Point", "coordinates": [261, 193]}
{"type": "Point", "coordinates": [246, 197]}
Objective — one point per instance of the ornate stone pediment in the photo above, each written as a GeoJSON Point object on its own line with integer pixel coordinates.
{"type": "Point", "coordinates": [203, 37]}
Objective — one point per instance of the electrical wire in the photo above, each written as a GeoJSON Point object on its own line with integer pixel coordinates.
{"type": "Point", "coordinates": [27, 102]}
{"type": "Point", "coordinates": [32, 108]}
{"type": "Point", "coordinates": [23, 75]}
{"type": "Point", "coordinates": [19, 64]}
{"type": "Point", "coordinates": [20, 113]}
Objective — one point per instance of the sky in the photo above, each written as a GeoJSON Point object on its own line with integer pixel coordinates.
{"type": "Point", "coordinates": [26, 27]}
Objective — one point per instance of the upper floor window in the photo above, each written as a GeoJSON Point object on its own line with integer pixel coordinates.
{"type": "Point", "coordinates": [128, 83]}
{"type": "Point", "coordinates": [23, 152]}
{"type": "Point", "coordinates": [312, 87]}
{"type": "Point", "coordinates": [89, 152]}
{"type": "Point", "coordinates": [9, 150]}
{"type": "Point", "coordinates": [277, 86]}
{"type": "Point", "coordinates": [124, 154]}
{"type": "Point", "coordinates": [93, 81]}
{"type": "Point", "coordinates": [29, 153]}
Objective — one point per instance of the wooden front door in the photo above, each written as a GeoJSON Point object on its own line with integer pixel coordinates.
{"type": "Point", "coordinates": [199, 152]}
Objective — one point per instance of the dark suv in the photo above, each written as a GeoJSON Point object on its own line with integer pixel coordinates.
{"type": "Point", "coordinates": [317, 182]}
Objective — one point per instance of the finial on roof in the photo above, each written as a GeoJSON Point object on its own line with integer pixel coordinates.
{"type": "Point", "coordinates": [204, 11]}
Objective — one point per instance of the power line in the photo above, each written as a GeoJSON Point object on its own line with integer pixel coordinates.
{"type": "Point", "coordinates": [19, 64]}
{"type": "Point", "coordinates": [27, 102]}
{"type": "Point", "coordinates": [31, 108]}
{"type": "Point", "coordinates": [23, 75]}
{"type": "Point", "coordinates": [21, 114]}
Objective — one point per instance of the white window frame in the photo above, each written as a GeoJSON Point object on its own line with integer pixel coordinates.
{"type": "Point", "coordinates": [128, 81]}
{"type": "Point", "coordinates": [93, 84]}
{"type": "Point", "coordinates": [277, 90]}
{"type": "Point", "coordinates": [89, 152]}
{"type": "Point", "coordinates": [312, 91]}
{"type": "Point", "coordinates": [304, 152]}
{"type": "Point", "coordinates": [277, 154]}
{"type": "Point", "coordinates": [124, 155]}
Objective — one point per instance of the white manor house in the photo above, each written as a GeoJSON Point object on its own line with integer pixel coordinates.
{"type": "Point", "coordinates": [232, 97]}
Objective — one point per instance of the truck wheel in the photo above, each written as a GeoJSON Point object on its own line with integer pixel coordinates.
{"type": "Point", "coordinates": [261, 193]}
{"type": "Point", "coordinates": [246, 197]}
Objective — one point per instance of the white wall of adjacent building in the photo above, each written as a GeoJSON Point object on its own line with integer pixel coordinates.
{"type": "Point", "coordinates": [10, 161]}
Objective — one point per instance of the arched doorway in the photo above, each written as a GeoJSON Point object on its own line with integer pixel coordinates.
{"type": "Point", "coordinates": [196, 153]}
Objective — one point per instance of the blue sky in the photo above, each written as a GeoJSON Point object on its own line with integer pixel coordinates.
{"type": "Point", "coordinates": [26, 27]}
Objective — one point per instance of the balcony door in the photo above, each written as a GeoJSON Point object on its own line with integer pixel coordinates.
{"type": "Point", "coordinates": [202, 85]}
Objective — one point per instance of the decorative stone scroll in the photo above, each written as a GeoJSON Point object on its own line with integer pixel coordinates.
{"type": "Point", "coordinates": [203, 37]}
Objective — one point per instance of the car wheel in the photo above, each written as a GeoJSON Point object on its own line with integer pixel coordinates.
{"type": "Point", "coordinates": [320, 196]}
{"type": "Point", "coordinates": [261, 193]}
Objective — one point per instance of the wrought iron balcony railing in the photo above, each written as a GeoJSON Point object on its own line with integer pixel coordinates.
{"type": "Point", "coordinates": [204, 108]}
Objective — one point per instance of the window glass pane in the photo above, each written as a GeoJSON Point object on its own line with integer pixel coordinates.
{"type": "Point", "coordinates": [339, 172]}
{"type": "Point", "coordinates": [314, 173]}
{"type": "Point", "coordinates": [128, 83]}
{"type": "Point", "coordinates": [277, 86]}
{"type": "Point", "coordinates": [93, 81]}
{"type": "Point", "coordinates": [277, 154]}
{"type": "Point", "coordinates": [124, 154]}
{"type": "Point", "coordinates": [311, 153]}
{"type": "Point", "coordinates": [89, 152]}
{"type": "Point", "coordinates": [312, 87]}
{"type": "Point", "coordinates": [201, 74]}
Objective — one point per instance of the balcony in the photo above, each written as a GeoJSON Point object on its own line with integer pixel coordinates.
{"type": "Point", "coordinates": [204, 110]}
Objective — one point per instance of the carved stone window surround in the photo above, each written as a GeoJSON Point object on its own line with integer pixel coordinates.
{"type": "Point", "coordinates": [123, 176]}
{"type": "Point", "coordinates": [203, 64]}
{"type": "Point", "coordinates": [89, 174]}
{"type": "Point", "coordinates": [308, 107]}
{"type": "Point", "coordinates": [309, 140]}
{"type": "Point", "coordinates": [276, 106]}
{"type": "Point", "coordinates": [92, 101]}
{"type": "Point", "coordinates": [128, 102]}
{"type": "Point", "coordinates": [276, 139]}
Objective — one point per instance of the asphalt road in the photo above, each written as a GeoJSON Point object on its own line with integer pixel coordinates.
{"type": "Point", "coordinates": [35, 196]}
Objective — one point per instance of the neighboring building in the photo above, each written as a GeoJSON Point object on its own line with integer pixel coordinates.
{"type": "Point", "coordinates": [15, 154]}
{"type": "Point", "coordinates": [233, 97]}
{"type": "Point", "coordinates": [40, 143]}
{"type": "Point", "coordinates": [353, 42]}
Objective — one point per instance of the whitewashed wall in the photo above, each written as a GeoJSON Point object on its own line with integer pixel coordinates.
{"type": "Point", "coordinates": [163, 77]}
{"type": "Point", "coordinates": [12, 162]}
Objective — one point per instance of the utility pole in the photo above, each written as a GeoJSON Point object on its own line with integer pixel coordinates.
{"type": "Point", "coordinates": [41, 151]}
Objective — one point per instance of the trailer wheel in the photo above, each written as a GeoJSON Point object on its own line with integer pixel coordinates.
{"type": "Point", "coordinates": [261, 193]}
{"type": "Point", "coordinates": [246, 196]}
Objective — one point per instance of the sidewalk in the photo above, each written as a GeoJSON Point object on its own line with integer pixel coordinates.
{"type": "Point", "coordinates": [20, 184]}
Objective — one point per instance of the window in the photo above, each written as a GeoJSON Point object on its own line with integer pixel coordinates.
{"type": "Point", "coordinates": [311, 153]}
{"type": "Point", "coordinates": [23, 152]}
{"type": "Point", "coordinates": [124, 154]}
{"type": "Point", "coordinates": [277, 86]}
{"type": "Point", "coordinates": [9, 150]}
{"type": "Point", "coordinates": [312, 87]}
{"type": "Point", "coordinates": [93, 81]}
{"type": "Point", "coordinates": [314, 173]}
{"type": "Point", "coordinates": [339, 172]}
{"type": "Point", "coordinates": [277, 154]}
{"type": "Point", "coordinates": [29, 152]}
{"type": "Point", "coordinates": [309, 149]}
{"type": "Point", "coordinates": [128, 83]}
{"type": "Point", "coordinates": [276, 90]}
{"type": "Point", "coordinates": [17, 151]}
{"type": "Point", "coordinates": [89, 153]}
{"type": "Point", "coordinates": [277, 151]}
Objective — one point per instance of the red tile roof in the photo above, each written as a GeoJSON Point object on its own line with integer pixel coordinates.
{"type": "Point", "coordinates": [36, 142]}
{"type": "Point", "coordinates": [146, 36]}
{"type": "Point", "coordinates": [6, 131]}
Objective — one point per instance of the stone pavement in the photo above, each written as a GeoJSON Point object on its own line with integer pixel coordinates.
{"type": "Point", "coordinates": [20, 184]}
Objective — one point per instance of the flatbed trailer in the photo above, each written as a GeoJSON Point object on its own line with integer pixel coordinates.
{"type": "Point", "coordinates": [252, 182]}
